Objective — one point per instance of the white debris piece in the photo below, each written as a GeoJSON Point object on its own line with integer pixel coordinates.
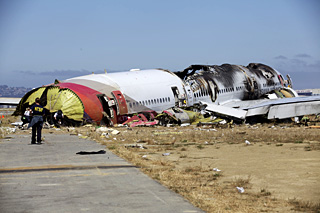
{"type": "Point", "coordinates": [223, 122]}
{"type": "Point", "coordinates": [106, 129]}
{"type": "Point", "coordinates": [103, 129]}
{"type": "Point", "coordinates": [17, 123]}
{"type": "Point", "coordinates": [115, 132]}
{"type": "Point", "coordinates": [216, 170]}
{"type": "Point", "coordinates": [247, 142]}
{"type": "Point", "coordinates": [166, 154]}
{"type": "Point", "coordinates": [144, 156]}
{"type": "Point", "coordinates": [240, 189]}
{"type": "Point", "coordinates": [185, 124]}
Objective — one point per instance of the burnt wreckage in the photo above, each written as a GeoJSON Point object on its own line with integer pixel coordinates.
{"type": "Point", "coordinates": [232, 91]}
{"type": "Point", "coordinates": [243, 83]}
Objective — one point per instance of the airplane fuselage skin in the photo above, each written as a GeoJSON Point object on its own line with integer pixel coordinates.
{"type": "Point", "coordinates": [157, 89]}
{"type": "Point", "coordinates": [101, 97]}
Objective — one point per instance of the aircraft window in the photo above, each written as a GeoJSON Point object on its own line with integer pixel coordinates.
{"type": "Point", "coordinates": [158, 100]}
{"type": "Point", "coordinates": [155, 101]}
{"type": "Point", "coordinates": [134, 104]}
{"type": "Point", "coordinates": [142, 102]}
{"type": "Point", "coordinates": [149, 102]}
{"type": "Point", "coordinates": [130, 105]}
{"type": "Point", "coordinates": [163, 100]}
{"type": "Point", "coordinates": [137, 103]}
{"type": "Point", "coordinates": [168, 99]}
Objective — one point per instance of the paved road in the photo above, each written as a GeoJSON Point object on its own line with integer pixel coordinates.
{"type": "Point", "coordinates": [52, 178]}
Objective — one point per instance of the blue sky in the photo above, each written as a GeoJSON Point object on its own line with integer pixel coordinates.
{"type": "Point", "coordinates": [44, 40]}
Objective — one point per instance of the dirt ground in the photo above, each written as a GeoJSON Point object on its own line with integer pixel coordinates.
{"type": "Point", "coordinates": [278, 167]}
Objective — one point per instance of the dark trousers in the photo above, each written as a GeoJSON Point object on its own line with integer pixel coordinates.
{"type": "Point", "coordinates": [36, 132]}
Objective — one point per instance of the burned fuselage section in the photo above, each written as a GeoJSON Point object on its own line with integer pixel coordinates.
{"type": "Point", "coordinates": [220, 84]}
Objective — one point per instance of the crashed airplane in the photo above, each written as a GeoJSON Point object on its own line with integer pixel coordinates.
{"type": "Point", "coordinates": [234, 91]}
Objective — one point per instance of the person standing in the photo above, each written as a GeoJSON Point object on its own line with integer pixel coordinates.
{"type": "Point", "coordinates": [37, 121]}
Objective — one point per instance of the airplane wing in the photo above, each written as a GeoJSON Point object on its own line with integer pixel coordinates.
{"type": "Point", "coordinates": [273, 108]}
{"type": "Point", "coordinates": [286, 107]}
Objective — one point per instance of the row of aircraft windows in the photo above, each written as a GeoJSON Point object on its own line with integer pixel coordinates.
{"type": "Point", "coordinates": [149, 102]}
{"type": "Point", "coordinates": [201, 93]}
{"type": "Point", "coordinates": [230, 89]}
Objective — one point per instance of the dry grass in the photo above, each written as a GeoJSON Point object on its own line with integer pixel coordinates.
{"type": "Point", "coordinates": [203, 187]}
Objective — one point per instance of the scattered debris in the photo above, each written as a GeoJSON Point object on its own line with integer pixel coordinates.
{"type": "Point", "coordinates": [91, 153]}
{"type": "Point", "coordinates": [139, 146]}
{"type": "Point", "coordinates": [240, 189]}
{"type": "Point", "coordinates": [186, 124]}
{"type": "Point", "coordinates": [8, 130]}
{"type": "Point", "coordinates": [140, 120]}
{"type": "Point", "coordinates": [17, 123]}
{"type": "Point", "coordinates": [216, 170]}
{"type": "Point", "coordinates": [247, 142]}
{"type": "Point", "coordinates": [166, 154]}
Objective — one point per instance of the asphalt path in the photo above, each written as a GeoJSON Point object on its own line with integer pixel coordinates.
{"type": "Point", "coordinates": [52, 178]}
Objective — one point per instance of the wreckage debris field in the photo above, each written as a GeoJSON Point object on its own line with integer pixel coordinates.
{"type": "Point", "coordinates": [243, 168]}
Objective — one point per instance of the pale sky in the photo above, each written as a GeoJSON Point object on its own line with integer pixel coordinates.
{"type": "Point", "coordinates": [44, 40]}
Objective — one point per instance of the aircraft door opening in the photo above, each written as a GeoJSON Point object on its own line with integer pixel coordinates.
{"type": "Point", "coordinates": [213, 94]}
{"type": "Point", "coordinates": [108, 111]}
{"type": "Point", "coordinates": [176, 93]}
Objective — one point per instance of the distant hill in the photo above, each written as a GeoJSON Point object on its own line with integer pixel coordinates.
{"type": "Point", "coordinates": [16, 92]}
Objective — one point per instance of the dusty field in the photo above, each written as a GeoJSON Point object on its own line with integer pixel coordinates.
{"type": "Point", "coordinates": [279, 170]}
